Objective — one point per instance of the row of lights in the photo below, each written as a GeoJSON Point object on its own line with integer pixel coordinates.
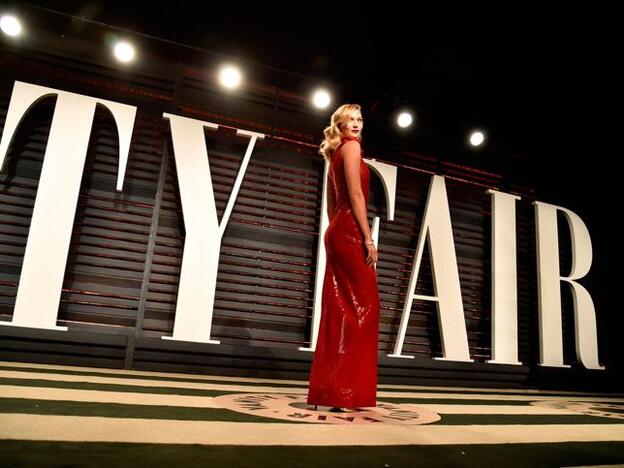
{"type": "Point", "coordinates": [230, 77]}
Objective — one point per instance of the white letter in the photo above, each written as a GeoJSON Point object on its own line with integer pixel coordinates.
{"type": "Point", "coordinates": [549, 294]}
{"type": "Point", "coordinates": [437, 228]}
{"type": "Point", "coordinates": [202, 244]}
{"type": "Point", "coordinates": [504, 279]}
{"type": "Point", "coordinates": [388, 176]}
{"type": "Point", "coordinates": [41, 279]}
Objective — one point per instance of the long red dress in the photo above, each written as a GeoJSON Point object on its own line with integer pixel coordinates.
{"type": "Point", "coordinates": [344, 367]}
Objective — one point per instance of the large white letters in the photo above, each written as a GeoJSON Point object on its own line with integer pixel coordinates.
{"type": "Point", "coordinates": [549, 292]}
{"type": "Point", "coordinates": [388, 176]}
{"type": "Point", "coordinates": [436, 227]}
{"type": "Point", "coordinates": [39, 288]}
{"type": "Point", "coordinates": [202, 244]}
{"type": "Point", "coordinates": [43, 269]}
{"type": "Point", "coordinates": [504, 279]}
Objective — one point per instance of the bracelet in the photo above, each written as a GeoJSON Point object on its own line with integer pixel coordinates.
{"type": "Point", "coordinates": [370, 243]}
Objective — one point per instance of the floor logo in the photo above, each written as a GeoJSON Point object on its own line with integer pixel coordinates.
{"type": "Point", "coordinates": [588, 408]}
{"type": "Point", "coordinates": [286, 406]}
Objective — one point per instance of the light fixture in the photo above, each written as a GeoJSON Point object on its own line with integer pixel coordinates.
{"type": "Point", "coordinates": [321, 99]}
{"type": "Point", "coordinates": [404, 119]}
{"type": "Point", "coordinates": [476, 138]}
{"type": "Point", "coordinates": [10, 25]}
{"type": "Point", "coordinates": [230, 76]}
{"type": "Point", "coordinates": [124, 51]}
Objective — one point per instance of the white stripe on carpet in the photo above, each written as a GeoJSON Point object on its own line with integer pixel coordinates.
{"type": "Point", "coordinates": [131, 398]}
{"type": "Point", "coordinates": [97, 429]}
{"type": "Point", "coordinates": [269, 389]}
{"type": "Point", "coordinates": [303, 383]}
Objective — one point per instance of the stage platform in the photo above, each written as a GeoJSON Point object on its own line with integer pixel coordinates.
{"type": "Point", "coordinates": [54, 415]}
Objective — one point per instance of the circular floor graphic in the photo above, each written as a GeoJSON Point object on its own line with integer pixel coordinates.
{"type": "Point", "coordinates": [293, 407]}
{"type": "Point", "coordinates": [589, 408]}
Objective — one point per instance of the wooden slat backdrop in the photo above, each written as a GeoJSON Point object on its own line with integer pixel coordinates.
{"type": "Point", "coordinates": [119, 291]}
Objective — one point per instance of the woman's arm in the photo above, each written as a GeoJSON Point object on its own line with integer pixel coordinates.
{"type": "Point", "coordinates": [351, 156]}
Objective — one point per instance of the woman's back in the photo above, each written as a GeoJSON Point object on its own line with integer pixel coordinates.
{"type": "Point", "coordinates": [337, 177]}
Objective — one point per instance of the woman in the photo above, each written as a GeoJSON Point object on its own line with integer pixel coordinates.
{"type": "Point", "coordinates": [344, 368]}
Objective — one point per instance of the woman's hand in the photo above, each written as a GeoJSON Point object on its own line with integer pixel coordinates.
{"type": "Point", "coordinates": [371, 254]}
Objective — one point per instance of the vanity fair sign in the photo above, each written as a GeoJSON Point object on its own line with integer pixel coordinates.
{"type": "Point", "coordinates": [39, 289]}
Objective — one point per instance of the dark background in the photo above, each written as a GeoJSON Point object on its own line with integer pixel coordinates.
{"type": "Point", "coordinates": [539, 78]}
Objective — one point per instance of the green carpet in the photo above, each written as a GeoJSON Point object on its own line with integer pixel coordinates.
{"type": "Point", "coordinates": [70, 416]}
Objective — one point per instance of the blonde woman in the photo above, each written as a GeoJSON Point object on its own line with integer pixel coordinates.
{"type": "Point", "coordinates": [344, 369]}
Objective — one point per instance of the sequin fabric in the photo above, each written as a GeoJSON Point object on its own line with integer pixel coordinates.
{"type": "Point", "coordinates": [344, 367]}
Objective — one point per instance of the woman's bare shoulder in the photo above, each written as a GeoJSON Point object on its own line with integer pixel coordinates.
{"type": "Point", "coordinates": [351, 145]}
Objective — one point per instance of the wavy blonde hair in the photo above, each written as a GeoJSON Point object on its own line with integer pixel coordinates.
{"type": "Point", "coordinates": [333, 132]}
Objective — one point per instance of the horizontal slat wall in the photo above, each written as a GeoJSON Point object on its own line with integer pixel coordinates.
{"type": "Point", "coordinates": [120, 289]}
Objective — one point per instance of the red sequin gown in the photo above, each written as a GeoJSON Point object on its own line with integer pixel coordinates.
{"type": "Point", "coordinates": [344, 367]}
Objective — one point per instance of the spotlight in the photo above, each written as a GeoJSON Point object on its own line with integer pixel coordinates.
{"type": "Point", "coordinates": [321, 99]}
{"type": "Point", "coordinates": [404, 119]}
{"type": "Point", "coordinates": [10, 25]}
{"type": "Point", "coordinates": [476, 138]}
{"type": "Point", "coordinates": [230, 76]}
{"type": "Point", "coordinates": [124, 51]}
